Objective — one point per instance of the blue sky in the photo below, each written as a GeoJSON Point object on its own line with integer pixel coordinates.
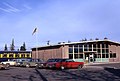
{"type": "Point", "coordinates": [58, 21]}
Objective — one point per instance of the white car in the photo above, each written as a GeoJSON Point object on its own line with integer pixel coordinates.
{"type": "Point", "coordinates": [11, 63]}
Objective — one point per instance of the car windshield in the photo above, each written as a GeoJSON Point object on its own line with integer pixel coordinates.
{"type": "Point", "coordinates": [51, 60]}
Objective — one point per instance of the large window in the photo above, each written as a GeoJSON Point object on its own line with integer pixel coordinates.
{"type": "Point", "coordinates": [80, 49]}
{"type": "Point", "coordinates": [112, 55]}
{"type": "Point", "coordinates": [70, 50]}
{"type": "Point", "coordinates": [76, 50]}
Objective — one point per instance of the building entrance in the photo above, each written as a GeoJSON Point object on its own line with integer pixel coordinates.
{"type": "Point", "coordinates": [89, 57]}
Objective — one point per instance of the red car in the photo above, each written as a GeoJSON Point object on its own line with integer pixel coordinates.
{"type": "Point", "coordinates": [49, 61]}
{"type": "Point", "coordinates": [66, 64]}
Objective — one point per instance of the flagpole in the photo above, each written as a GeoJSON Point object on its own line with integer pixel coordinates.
{"type": "Point", "coordinates": [36, 44]}
{"type": "Point", "coordinates": [35, 31]}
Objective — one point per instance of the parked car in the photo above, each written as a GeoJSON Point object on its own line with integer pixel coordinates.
{"type": "Point", "coordinates": [19, 62]}
{"type": "Point", "coordinates": [31, 63]}
{"type": "Point", "coordinates": [65, 64]}
{"type": "Point", "coordinates": [4, 66]}
{"type": "Point", "coordinates": [44, 64]}
{"type": "Point", "coordinates": [9, 62]}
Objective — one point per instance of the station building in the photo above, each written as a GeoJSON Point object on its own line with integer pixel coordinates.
{"type": "Point", "coordinates": [85, 51]}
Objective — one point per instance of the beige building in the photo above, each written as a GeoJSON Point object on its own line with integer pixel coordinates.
{"type": "Point", "coordinates": [86, 51]}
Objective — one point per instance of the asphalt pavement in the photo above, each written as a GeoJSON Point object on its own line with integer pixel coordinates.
{"type": "Point", "coordinates": [91, 72]}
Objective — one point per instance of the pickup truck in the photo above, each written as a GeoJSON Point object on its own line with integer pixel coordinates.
{"type": "Point", "coordinates": [66, 64]}
{"type": "Point", "coordinates": [10, 63]}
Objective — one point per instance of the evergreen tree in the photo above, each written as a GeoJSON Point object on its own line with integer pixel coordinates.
{"type": "Point", "coordinates": [12, 46]}
{"type": "Point", "coordinates": [23, 48]}
{"type": "Point", "coordinates": [5, 49]}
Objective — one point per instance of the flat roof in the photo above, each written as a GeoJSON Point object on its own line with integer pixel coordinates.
{"type": "Point", "coordinates": [81, 42]}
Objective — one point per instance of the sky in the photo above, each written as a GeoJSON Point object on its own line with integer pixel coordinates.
{"type": "Point", "coordinates": [58, 21]}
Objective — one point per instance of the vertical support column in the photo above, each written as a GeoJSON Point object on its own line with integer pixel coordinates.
{"type": "Point", "coordinates": [73, 53]}
{"type": "Point", "coordinates": [101, 51]}
{"type": "Point", "coordinates": [83, 54]}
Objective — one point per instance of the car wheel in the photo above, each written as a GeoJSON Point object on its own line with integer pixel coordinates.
{"type": "Point", "coordinates": [79, 67]}
{"type": "Point", "coordinates": [37, 66]}
{"type": "Point", "coordinates": [62, 67]}
{"type": "Point", "coordinates": [27, 65]}
{"type": "Point", "coordinates": [7, 65]}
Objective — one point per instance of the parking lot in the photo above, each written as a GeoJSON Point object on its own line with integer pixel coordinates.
{"type": "Point", "coordinates": [88, 73]}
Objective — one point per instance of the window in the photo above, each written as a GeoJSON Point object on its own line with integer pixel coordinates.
{"type": "Point", "coordinates": [11, 56]}
{"type": "Point", "coordinates": [80, 55]}
{"type": "Point", "coordinates": [103, 55]}
{"type": "Point", "coordinates": [23, 55]}
{"type": "Point", "coordinates": [17, 55]}
{"type": "Point", "coordinates": [114, 55]}
{"type": "Point", "coordinates": [98, 45]}
{"type": "Point", "coordinates": [75, 50]}
{"type": "Point", "coordinates": [70, 56]}
{"type": "Point", "coordinates": [107, 55]}
{"type": "Point", "coordinates": [94, 45]}
{"type": "Point", "coordinates": [99, 51]}
{"type": "Point", "coordinates": [106, 45]}
{"type": "Point", "coordinates": [103, 45]}
{"type": "Point", "coordinates": [76, 56]}
{"type": "Point", "coordinates": [107, 51]}
{"type": "Point", "coordinates": [90, 45]}
{"type": "Point", "coordinates": [103, 50]}
{"type": "Point", "coordinates": [4, 55]}
{"type": "Point", "coordinates": [90, 49]}
{"type": "Point", "coordinates": [28, 55]}
{"type": "Point", "coordinates": [70, 50]}
{"type": "Point", "coordinates": [85, 46]}
{"type": "Point", "coordinates": [80, 49]}
{"type": "Point", "coordinates": [85, 49]}
{"type": "Point", "coordinates": [94, 49]}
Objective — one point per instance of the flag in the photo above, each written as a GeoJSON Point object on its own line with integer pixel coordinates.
{"type": "Point", "coordinates": [34, 31]}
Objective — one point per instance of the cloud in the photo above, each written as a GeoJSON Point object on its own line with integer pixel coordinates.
{"type": "Point", "coordinates": [9, 8]}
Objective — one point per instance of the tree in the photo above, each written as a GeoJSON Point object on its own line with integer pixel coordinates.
{"type": "Point", "coordinates": [23, 47]}
{"type": "Point", "coordinates": [5, 49]}
{"type": "Point", "coordinates": [12, 46]}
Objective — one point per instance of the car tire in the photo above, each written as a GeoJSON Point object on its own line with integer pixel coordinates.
{"type": "Point", "coordinates": [27, 65]}
{"type": "Point", "coordinates": [7, 66]}
{"type": "Point", "coordinates": [79, 67]}
{"type": "Point", "coordinates": [62, 67]}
